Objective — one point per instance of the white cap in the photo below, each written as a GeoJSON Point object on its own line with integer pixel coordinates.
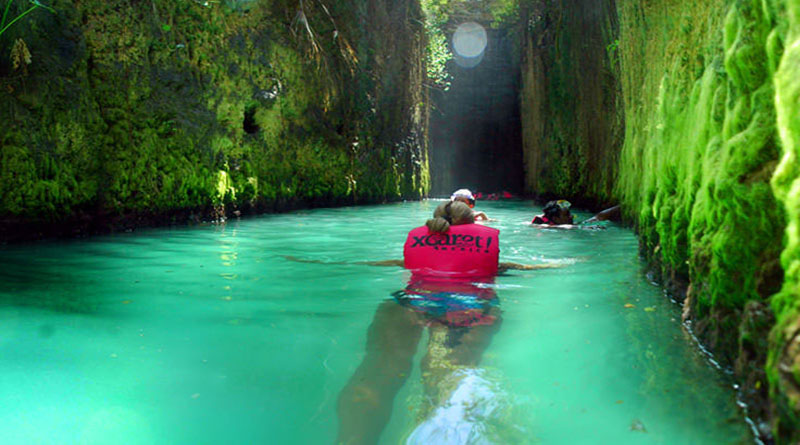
{"type": "Point", "coordinates": [462, 193]}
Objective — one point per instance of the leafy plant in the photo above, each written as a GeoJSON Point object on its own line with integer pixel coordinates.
{"type": "Point", "coordinates": [20, 56]}
{"type": "Point", "coordinates": [36, 4]}
{"type": "Point", "coordinates": [612, 50]}
{"type": "Point", "coordinates": [438, 51]}
{"type": "Point", "coordinates": [503, 11]}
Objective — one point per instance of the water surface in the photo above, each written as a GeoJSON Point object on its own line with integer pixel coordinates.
{"type": "Point", "coordinates": [210, 334]}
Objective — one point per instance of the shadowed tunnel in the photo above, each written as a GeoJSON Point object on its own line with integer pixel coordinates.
{"type": "Point", "coordinates": [476, 138]}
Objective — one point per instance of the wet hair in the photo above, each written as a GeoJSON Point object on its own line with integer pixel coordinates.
{"type": "Point", "coordinates": [465, 200]}
{"type": "Point", "coordinates": [551, 210]}
{"type": "Point", "coordinates": [450, 213]}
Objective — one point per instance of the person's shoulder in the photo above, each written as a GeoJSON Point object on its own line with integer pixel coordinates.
{"type": "Point", "coordinates": [474, 227]}
{"type": "Point", "coordinates": [418, 230]}
{"type": "Point", "coordinates": [487, 229]}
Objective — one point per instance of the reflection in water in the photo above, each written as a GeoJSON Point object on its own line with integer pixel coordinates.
{"type": "Point", "coordinates": [39, 280]}
{"type": "Point", "coordinates": [229, 254]}
{"type": "Point", "coordinates": [461, 317]}
{"type": "Point", "coordinates": [229, 249]}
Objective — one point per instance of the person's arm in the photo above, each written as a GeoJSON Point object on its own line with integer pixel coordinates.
{"type": "Point", "coordinates": [399, 263]}
{"type": "Point", "coordinates": [502, 267]}
{"type": "Point", "coordinates": [306, 260]}
{"type": "Point", "coordinates": [554, 226]}
{"type": "Point", "coordinates": [612, 214]}
{"type": "Point", "coordinates": [480, 216]}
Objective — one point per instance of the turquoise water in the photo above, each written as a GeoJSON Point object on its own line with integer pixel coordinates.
{"type": "Point", "coordinates": [210, 334]}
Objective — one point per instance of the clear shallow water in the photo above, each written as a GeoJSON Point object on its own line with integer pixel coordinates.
{"type": "Point", "coordinates": [210, 335]}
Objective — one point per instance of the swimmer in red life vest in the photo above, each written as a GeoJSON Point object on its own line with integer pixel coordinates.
{"type": "Point", "coordinates": [555, 213]}
{"type": "Point", "coordinates": [451, 245]}
{"type": "Point", "coordinates": [453, 264]}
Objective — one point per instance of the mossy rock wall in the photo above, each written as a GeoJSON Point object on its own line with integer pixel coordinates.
{"type": "Point", "coordinates": [784, 357]}
{"type": "Point", "coordinates": [134, 111]}
{"type": "Point", "coordinates": [570, 99]}
{"type": "Point", "coordinates": [701, 144]}
{"type": "Point", "coordinates": [706, 169]}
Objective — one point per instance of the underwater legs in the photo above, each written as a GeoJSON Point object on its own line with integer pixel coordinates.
{"type": "Point", "coordinates": [365, 403]}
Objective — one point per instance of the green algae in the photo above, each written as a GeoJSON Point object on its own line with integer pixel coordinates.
{"type": "Point", "coordinates": [570, 98]}
{"type": "Point", "coordinates": [132, 109]}
{"type": "Point", "coordinates": [784, 367]}
{"type": "Point", "coordinates": [694, 167]}
{"type": "Point", "coordinates": [700, 148]}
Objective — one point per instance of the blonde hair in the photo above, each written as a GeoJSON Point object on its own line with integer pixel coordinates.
{"type": "Point", "coordinates": [450, 213]}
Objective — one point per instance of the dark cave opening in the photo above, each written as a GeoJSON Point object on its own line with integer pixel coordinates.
{"type": "Point", "coordinates": [476, 134]}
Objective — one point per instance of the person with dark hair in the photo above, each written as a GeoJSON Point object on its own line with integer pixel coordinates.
{"type": "Point", "coordinates": [445, 216]}
{"type": "Point", "coordinates": [555, 213]}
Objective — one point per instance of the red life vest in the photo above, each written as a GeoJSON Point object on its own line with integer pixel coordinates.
{"type": "Point", "coordinates": [540, 219]}
{"type": "Point", "coordinates": [465, 251]}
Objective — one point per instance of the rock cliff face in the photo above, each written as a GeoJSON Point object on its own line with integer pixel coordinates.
{"type": "Point", "coordinates": [784, 354]}
{"type": "Point", "coordinates": [570, 99]}
{"type": "Point", "coordinates": [706, 167]}
{"type": "Point", "coordinates": [138, 112]}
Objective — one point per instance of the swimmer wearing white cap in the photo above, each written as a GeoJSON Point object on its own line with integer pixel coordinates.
{"type": "Point", "coordinates": [465, 196]}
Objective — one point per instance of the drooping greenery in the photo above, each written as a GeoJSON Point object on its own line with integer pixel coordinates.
{"type": "Point", "coordinates": [438, 49]}
{"type": "Point", "coordinates": [181, 105]}
{"type": "Point", "coordinates": [116, 109]}
{"type": "Point", "coordinates": [570, 99]}
{"type": "Point", "coordinates": [695, 171]}
{"type": "Point", "coordinates": [6, 21]}
{"type": "Point", "coordinates": [441, 15]}
{"type": "Point", "coordinates": [504, 12]}
{"type": "Point", "coordinates": [784, 360]}
{"type": "Point", "coordinates": [700, 148]}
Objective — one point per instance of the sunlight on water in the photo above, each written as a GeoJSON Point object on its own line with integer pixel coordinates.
{"type": "Point", "coordinates": [211, 335]}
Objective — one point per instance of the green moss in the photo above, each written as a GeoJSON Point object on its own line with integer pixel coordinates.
{"type": "Point", "coordinates": [698, 173]}
{"type": "Point", "coordinates": [783, 371]}
{"type": "Point", "coordinates": [572, 128]}
{"type": "Point", "coordinates": [147, 111]}
{"type": "Point", "coordinates": [699, 151]}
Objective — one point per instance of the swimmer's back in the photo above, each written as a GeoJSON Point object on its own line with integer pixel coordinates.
{"type": "Point", "coordinates": [466, 250]}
